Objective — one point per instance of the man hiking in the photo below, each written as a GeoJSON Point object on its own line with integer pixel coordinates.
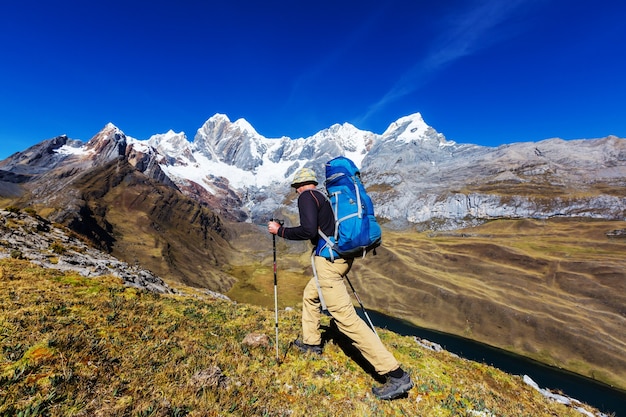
{"type": "Point", "coordinates": [316, 212]}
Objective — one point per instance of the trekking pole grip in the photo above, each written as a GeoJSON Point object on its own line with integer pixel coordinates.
{"type": "Point", "coordinates": [279, 221]}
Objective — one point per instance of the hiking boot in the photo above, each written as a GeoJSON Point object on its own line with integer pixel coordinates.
{"type": "Point", "coordinates": [394, 387]}
{"type": "Point", "coordinates": [303, 347]}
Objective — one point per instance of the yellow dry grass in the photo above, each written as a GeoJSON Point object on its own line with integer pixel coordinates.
{"type": "Point", "coordinates": [74, 346]}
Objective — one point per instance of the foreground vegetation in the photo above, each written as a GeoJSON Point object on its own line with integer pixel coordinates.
{"type": "Point", "coordinates": [74, 346]}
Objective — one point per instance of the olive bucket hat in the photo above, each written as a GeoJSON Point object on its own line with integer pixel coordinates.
{"type": "Point", "coordinates": [304, 176]}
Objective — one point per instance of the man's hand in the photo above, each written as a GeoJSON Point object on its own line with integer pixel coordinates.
{"type": "Point", "coordinates": [273, 227]}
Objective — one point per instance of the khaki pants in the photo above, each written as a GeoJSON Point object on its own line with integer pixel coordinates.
{"type": "Point", "coordinates": [339, 304]}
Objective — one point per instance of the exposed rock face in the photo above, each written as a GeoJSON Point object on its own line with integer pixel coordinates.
{"type": "Point", "coordinates": [110, 143]}
{"type": "Point", "coordinates": [38, 158]}
{"type": "Point", "coordinates": [145, 161]}
{"type": "Point", "coordinates": [234, 143]}
{"type": "Point", "coordinates": [36, 239]}
{"type": "Point", "coordinates": [442, 185]}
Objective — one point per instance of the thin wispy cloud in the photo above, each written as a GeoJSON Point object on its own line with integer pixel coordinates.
{"type": "Point", "coordinates": [463, 34]}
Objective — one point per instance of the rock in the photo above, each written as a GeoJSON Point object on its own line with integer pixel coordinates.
{"type": "Point", "coordinates": [617, 233]}
{"type": "Point", "coordinates": [427, 344]}
{"type": "Point", "coordinates": [46, 245]}
{"type": "Point", "coordinates": [255, 340]}
{"type": "Point", "coordinates": [211, 377]}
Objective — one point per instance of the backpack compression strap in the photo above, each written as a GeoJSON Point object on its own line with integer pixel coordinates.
{"type": "Point", "coordinates": [359, 213]}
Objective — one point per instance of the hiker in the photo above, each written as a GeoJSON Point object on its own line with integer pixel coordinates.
{"type": "Point", "coordinates": [316, 212]}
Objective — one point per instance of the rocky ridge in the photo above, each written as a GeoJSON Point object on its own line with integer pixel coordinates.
{"type": "Point", "coordinates": [28, 236]}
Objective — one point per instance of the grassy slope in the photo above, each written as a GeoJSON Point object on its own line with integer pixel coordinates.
{"type": "Point", "coordinates": [72, 346]}
{"type": "Point", "coordinates": [552, 290]}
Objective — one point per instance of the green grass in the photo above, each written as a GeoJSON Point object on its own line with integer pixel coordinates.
{"type": "Point", "coordinates": [74, 346]}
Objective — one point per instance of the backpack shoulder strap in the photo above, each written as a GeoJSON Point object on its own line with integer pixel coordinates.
{"type": "Point", "coordinates": [317, 199]}
{"type": "Point", "coordinates": [328, 243]}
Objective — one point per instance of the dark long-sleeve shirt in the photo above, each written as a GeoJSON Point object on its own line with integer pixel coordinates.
{"type": "Point", "coordinates": [315, 212]}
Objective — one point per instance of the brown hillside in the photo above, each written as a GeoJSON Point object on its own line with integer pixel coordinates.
{"type": "Point", "coordinates": [140, 220]}
{"type": "Point", "coordinates": [158, 227]}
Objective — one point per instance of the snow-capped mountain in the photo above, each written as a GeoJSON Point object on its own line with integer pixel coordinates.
{"type": "Point", "coordinates": [237, 153]}
{"type": "Point", "coordinates": [414, 174]}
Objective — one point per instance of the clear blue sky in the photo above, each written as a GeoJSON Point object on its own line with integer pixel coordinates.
{"type": "Point", "coordinates": [484, 72]}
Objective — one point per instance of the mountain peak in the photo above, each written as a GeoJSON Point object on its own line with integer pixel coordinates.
{"type": "Point", "coordinates": [108, 144]}
{"type": "Point", "coordinates": [172, 146]}
{"type": "Point", "coordinates": [244, 126]}
{"type": "Point", "coordinates": [413, 128]}
{"type": "Point", "coordinates": [415, 119]}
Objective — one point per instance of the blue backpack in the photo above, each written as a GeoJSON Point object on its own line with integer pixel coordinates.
{"type": "Point", "coordinates": [356, 229]}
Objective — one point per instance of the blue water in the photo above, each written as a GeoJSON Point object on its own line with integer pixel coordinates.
{"type": "Point", "coordinates": [605, 398]}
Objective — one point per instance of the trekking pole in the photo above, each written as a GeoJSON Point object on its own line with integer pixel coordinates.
{"type": "Point", "coordinates": [362, 308]}
{"type": "Point", "coordinates": [276, 290]}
